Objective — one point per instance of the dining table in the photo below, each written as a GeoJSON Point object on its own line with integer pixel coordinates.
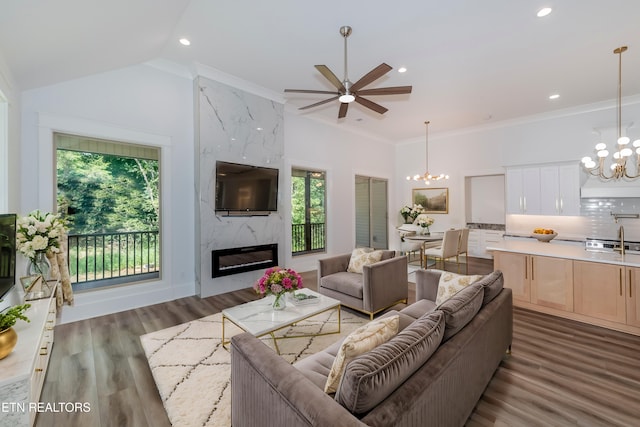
{"type": "Point", "coordinates": [430, 240]}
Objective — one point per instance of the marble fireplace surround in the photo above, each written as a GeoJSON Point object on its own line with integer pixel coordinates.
{"type": "Point", "coordinates": [239, 127]}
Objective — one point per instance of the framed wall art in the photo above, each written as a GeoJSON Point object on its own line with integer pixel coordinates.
{"type": "Point", "coordinates": [433, 200]}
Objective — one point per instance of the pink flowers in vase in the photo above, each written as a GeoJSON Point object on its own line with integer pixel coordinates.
{"type": "Point", "coordinates": [277, 281]}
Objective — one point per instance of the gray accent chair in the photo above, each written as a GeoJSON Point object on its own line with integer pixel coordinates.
{"type": "Point", "coordinates": [380, 286]}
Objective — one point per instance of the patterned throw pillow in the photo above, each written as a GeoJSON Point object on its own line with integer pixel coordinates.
{"type": "Point", "coordinates": [451, 283]}
{"type": "Point", "coordinates": [360, 341]}
{"type": "Point", "coordinates": [361, 257]}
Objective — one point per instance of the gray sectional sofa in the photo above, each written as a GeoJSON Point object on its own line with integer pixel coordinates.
{"type": "Point", "coordinates": [432, 373]}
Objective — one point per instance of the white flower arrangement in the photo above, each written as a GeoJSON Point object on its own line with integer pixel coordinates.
{"type": "Point", "coordinates": [412, 212]}
{"type": "Point", "coordinates": [39, 232]}
{"type": "Point", "coordinates": [424, 221]}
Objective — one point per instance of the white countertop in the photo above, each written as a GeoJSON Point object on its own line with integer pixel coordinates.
{"type": "Point", "coordinates": [559, 250]}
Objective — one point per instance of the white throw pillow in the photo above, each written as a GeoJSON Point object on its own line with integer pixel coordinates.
{"type": "Point", "coordinates": [361, 257]}
{"type": "Point", "coordinates": [360, 341]}
{"type": "Point", "coordinates": [451, 283]}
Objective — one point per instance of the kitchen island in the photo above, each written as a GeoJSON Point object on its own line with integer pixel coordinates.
{"type": "Point", "coordinates": [599, 288]}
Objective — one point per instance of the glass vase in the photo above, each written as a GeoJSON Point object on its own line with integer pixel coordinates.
{"type": "Point", "coordinates": [425, 231]}
{"type": "Point", "coordinates": [280, 302]}
{"type": "Point", "coordinates": [39, 265]}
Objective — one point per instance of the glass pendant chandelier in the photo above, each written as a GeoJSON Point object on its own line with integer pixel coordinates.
{"type": "Point", "coordinates": [624, 156]}
{"type": "Point", "coordinates": [427, 177]}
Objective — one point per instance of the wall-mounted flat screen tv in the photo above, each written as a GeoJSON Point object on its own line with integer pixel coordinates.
{"type": "Point", "coordinates": [7, 252]}
{"type": "Point", "coordinates": [246, 188]}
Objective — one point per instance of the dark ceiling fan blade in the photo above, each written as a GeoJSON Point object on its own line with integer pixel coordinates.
{"type": "Point", "coordinates": [328, 74]}
{"type": "Point", "coordinates": [371, 105]}
{"type": "Point", "coordinates": [371, 76]}
{"type": "Point", "coordinates": [343, 110]}
{"type": "Point", "coordinates": [395, 90]}
{"type": "Point", "coordinates": [329, 92]}
{"type": "Point", "coordinates": [319, 103]}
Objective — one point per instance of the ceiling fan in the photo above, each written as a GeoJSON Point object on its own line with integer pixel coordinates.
{"type": "Point", "coordinates": [348, 92]}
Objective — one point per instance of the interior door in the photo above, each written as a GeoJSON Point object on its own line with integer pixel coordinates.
{"type": "Point", "coordinates": [371, 212]}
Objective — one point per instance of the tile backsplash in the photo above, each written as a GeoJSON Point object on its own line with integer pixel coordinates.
{"type": "Point", "coordinates": [601, 222]}
{"type": "Point", "coordinates": [596, 220]}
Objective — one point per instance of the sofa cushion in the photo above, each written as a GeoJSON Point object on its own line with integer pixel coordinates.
{"type": "Point", "coordinates": [403, 321]}
{"type": "Point", "coordinates": [451, 283]}
{"type": "Point", "coordinates": [492, 284]}
{"type": "Point", "coordinates": [419, 308]}
{"type": "Point", "coordinates": [344, 282]}
{"type": "Point", "coordinates": [461, 308]}
{"type": "Point", "coordinates": [363, 339]}
{"type": "Point", "coordinates": [361, 257]}
{"type": "Point", "coordinates": [371, 377]}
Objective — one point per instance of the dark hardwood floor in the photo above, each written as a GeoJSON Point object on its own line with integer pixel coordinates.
{"type": "Point", "coordinates": [560, 373]}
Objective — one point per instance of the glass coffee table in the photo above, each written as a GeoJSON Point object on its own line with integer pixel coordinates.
{"type": "Point", "coordinates": [260, 319]}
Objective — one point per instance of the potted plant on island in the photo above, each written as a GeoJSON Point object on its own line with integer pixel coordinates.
{"type": "Point", "coordinates": [8, 336]}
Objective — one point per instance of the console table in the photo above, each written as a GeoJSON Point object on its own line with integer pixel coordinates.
{"type": "Point", "coordinates": [23, 371]}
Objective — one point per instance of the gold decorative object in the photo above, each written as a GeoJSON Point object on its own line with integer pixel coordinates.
{"type": "Point", "coordinates": [618, 168]}
{"type": "Point", "coordinates": [8, 340]}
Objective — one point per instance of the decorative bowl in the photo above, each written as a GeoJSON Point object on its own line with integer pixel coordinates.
{"type": "Point", "coordinates": [544, 237]}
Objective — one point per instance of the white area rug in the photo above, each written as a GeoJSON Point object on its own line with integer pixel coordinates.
{"type": "Point", "coordinates": [192, 369]}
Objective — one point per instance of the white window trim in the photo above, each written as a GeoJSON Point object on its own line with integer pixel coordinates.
{"type": "Point", "coordinates": [109, 300]}
{"type": "Point", "coordinates": [4, 154]}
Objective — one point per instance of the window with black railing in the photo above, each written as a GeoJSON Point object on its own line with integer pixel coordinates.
{"type": "Point", "coordinates": [108, 192]}
{"type": "Point", "coordinates": [308, 214]}
{"type": "Point", "coordinates": [112, 257]}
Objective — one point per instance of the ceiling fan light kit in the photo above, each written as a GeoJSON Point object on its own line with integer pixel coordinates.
{"type": "Point", "coordinates": [618, 168]}
{"type": "Point", "coordinates": [348, 92]}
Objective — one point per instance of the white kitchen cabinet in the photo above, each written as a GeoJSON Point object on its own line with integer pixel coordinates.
{"type": "Point", "coordinates": [475, 246]}
{"type": "Point", "coordinates": [560, 190]}
{"type": "Point", "coordinates": [480, 239]}
{"type": "Point", "coordinates": [545, 190]}
{"type": "Point", "coordinates": [523, 191]}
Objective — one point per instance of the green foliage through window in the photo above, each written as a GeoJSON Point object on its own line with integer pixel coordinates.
{"type": "Point", "coordinates": [308, 212]}
{"type": "Point", "coordinates": [101, 193]}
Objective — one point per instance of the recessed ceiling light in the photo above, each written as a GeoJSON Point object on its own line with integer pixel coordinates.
{"type": "Point", "coordinates": [543, 12]}
{"type": "Point", "coordinates": [554, 96]}
{"type": "Point", "coordinates": [402, 70]}
{"type": "Point", "coordinates": [185, 41]}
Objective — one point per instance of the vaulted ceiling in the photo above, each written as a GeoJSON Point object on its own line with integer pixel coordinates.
{"type": "Point", "coordinates": [470, 62]}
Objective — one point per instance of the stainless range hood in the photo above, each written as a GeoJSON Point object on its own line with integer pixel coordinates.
{"type": "Point", "coordinates": [594, 188]}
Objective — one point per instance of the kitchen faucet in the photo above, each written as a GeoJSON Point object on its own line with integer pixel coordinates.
{"type": "Point", "coordinates": [621, 237]}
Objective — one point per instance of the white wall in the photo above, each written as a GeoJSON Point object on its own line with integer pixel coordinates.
{"type": "Point", "coordinates": [140, 104]}
{"type": "Point", "coordinates": [343, 155]}
{"type": "Point", "coordinates": [485, 198]}
{"type": "Point", "coordinates": [9, 155]}
{"type": "Point", "coordinates": [564, 136]}
{"type": "Point", "coordinates": [9, 147]}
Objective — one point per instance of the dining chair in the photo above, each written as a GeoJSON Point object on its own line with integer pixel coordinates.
{"type": "Point", "coordinates": [463, 249]}
{"type": "Point", "coordinates": [448, 249]}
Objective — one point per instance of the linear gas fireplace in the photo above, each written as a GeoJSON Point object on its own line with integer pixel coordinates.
{"type": "Point", "coordinates": [238, 260]}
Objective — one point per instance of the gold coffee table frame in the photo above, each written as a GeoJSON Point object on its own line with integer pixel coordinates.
{"type": "Point", "coordinates": [259, 319]}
